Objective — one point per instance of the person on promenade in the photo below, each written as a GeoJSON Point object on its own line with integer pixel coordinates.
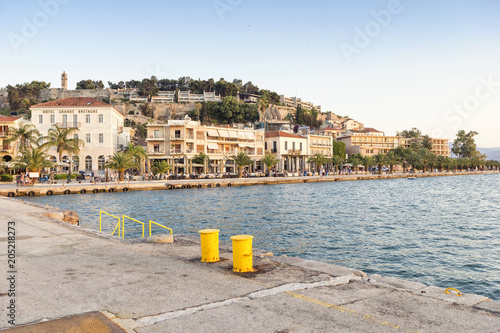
{"type": "Point", "coordinates": [51, 178]}
{"type": "Point", "coordinates": [127, 177]}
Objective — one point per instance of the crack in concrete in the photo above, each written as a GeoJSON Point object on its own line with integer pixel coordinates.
{"type": "Point", "coordinates": [290, 287]}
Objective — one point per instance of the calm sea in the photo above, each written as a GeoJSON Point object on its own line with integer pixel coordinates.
{"type": "Point", "coordinates": [441, 231]}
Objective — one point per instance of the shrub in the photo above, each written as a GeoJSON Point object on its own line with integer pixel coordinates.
{"type": "Point", "coordinates": [6, 178]}
{"type": "Point", "coordinates": [64, 176]}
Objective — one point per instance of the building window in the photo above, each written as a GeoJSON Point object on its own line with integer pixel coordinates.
{"type": "Point", "coordinates": [88, 138]}
{"type": "Point", "coordinates": [75, 136]}
{"type": "Point", "coordinates": [177, 134]}
{"type": "Point", "coordinates": [101, 138]}
{"type": "Point", "coordinates": [65, 120]}
{"type": "Point", "coordinates": [87, 118]}
{"type": "Point", "coordinates": [156, 133]}
{"type": "Point", "coordinates": [88, 163]}
{"type": "Point", "coordinates": [301, 146]}
{"type": "Point", "coordinates": [101, 119]}
{"type": "Point", "coordinates": [275, 150]}
{"type": "Point", "coordinates": [52, 119]}
{"type": "Point", "coordinates": [293, 145]}
{"type": "Point", "coordinates": [40, 119]}
{"type": "Point", "coordinates": [75, 120]}
{"type": "Point", "coordinates": [76, 163]}
{"type": "Point", "coordinates": [265, 145]}
{"type": "Point", "coordinates": [286, 145]}
{"type": "Point", "coordinates": [100, 163]}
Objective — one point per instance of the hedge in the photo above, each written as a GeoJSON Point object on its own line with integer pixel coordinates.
{"type": "Point", "coordinates": [6, 178]}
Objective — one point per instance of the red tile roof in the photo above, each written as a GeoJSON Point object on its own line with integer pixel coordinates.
{"type": "Point", "coordinates": [73, 101]}
{"type": "Point", "coordinates": [330, 129]}
{"type": "Point", "coordinates": [367, 130]}
{"type": "Point", "coordinates": [273, 134]}
{"type": "Point", "coordinates": [7, 118]}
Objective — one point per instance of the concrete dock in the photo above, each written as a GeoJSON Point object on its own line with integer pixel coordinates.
{"type": "Point", "coordinates": [85, 187]}
{"type": "Point", "coordinates": [100, 283]}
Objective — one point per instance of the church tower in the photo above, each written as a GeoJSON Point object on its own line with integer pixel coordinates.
{"type": "Point", "coordinates": [64, 81]}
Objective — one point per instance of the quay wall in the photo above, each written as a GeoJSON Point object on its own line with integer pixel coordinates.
{"type": "Point", "coordinates": [87, 188]}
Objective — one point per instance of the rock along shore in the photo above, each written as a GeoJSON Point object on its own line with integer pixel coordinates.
{"type": "Point", "coordinates": [65, 270]}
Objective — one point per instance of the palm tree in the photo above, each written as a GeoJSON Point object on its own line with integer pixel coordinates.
{"type": "Point", "coordinates": [379, 159]}
{"type": "Point", "coordinates": [403, 154]}
{"type": "Point", "coordinates": [62, 139]}
{"type": "Point", "coordinates": [425, 156]}
{"type": "Point", "coordinates": [318, 160]}
{"type": "Point", "coordinates": [269, 161]}
{"type": "Point", "coordinates": [138, 153]}
{"type": "Point", "coordinates": [415, 160]}
{"type": "Point", "coordinates": [431, 160]}
{"type": "Point", "coordinates": [201, 158]}
{"type": "Point", "coordinates": [392, 159]}
{"type": "Point", "coordinates": [367, 162]}
{"type": "Point", "coordinates": [161, 168]}
{"type": "Point", "coordinates": [27, 134]}
{"type": "Point", "coordinates": [121, 161]}
{"type": "Point", "coordinates": [263, 105]}
{"type": "Point", "coordinates": [337, 161]}
{"type": "Point", "coordinates": [355, 161]}
{"type": "Point", "coordinates": [241, 160]}
{"type": "Point", "coordinates": [33, 159]}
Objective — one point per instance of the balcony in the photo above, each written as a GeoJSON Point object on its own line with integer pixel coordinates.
{"type": "Point", "coordinates": [6, 148]}
{"type": "Point", "coordinates": [176, 138]}
{"type": "Point", "coordinates": [156, 152]}
{"type": "Point", "coordinates": [4, 134]}
{"type": "Point", "coordinates": [155, 138]}
{"type": "Point", "coordinates": [120, 129]}
{"type": "Point", "coordinates": [176, 151]}
{"type": "Point", "coordinates": [69, 125]}
{"type": "Point", "coordinates": [294, 151]}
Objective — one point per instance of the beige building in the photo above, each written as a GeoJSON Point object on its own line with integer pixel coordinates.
{"type": "Point", "coordinates": [179, 141]}
{"type": "Point", "coordinates": [368, 141]}
{"type": "Point", "coordinates": [98, 124]}
{"type": "Point", "coordinates": [8, 150]}
{"type": "Point", "coordinates": [439, 146]}
{"type": "Point", "coordinates": [293, 102]}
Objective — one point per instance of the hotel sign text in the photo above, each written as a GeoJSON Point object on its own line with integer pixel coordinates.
{"type": "Point", "coordinates": [70, 111]}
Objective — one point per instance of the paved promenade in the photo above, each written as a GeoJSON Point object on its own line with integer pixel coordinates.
{"type": "Point", "coordinates": [63, 270]}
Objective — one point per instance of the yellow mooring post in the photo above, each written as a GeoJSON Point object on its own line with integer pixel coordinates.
{"type": "Point", "coordinates": [209, 245]}
{"type": "Point", "coordinates": [242, 253]}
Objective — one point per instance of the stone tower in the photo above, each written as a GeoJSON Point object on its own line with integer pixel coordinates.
{"type": "Point", "coordinates": [64, 81]}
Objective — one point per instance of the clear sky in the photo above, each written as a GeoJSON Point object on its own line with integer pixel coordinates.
{"type": "Point", "coordinates": [392, 65]}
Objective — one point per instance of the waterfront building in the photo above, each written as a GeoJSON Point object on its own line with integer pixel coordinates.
{"type": "Point", "coordinates": [439, 146]}
{"type": "Point", "coordinates": [178, 141]}
{"type": "Point", "coordinates": [8, 150]}
{"type": "Point", "coordinates": [98, 124]}
{"type": "Point", "coordinates": [368, 142]}
{"type": "Point", "coordinates": [291, 150]}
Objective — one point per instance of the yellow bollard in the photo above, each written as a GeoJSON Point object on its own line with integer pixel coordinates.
{"type": "Point", "coordinates": [209, 245]}
{"type": "Point", "coordinates": [242, 253]}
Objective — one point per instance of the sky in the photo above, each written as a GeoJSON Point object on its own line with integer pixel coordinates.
{"type": "Point", "coordinates": [391, 65]}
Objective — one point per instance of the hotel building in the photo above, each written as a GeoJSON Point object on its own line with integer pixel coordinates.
{"type": "Point", "coordinates": [368, 141]}
{"type": "Point", "coordinates": [98, 124]}
{"type": "Point", "coordinates": [8, 150]}
{"type": "Point", "coordinates": [179, 141]}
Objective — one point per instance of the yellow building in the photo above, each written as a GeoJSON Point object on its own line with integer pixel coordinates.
{"type": "Point", "coordinates": [179, 141]}
{"type": "Point", "coordinates": [8, 150]}
{"type": "Point", "coordinates": [368, 141]}
{"type": "Point", "coordinates": [439, 146]}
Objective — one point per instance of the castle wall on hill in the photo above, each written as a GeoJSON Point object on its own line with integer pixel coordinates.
{"type": "Point", "coordinates": [57, 93]}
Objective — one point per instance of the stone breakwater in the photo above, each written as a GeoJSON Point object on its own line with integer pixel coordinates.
{"type": "Point", "coordinates": [86, 188]}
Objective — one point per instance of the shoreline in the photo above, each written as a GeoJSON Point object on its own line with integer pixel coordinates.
{"type": "Point", "coordinates": [87, 188]}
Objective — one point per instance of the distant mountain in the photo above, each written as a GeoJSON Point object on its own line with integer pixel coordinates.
{"type": "Point", "coordinates": [492, 153]}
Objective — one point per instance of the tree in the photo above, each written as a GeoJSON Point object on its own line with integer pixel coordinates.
{"type": "Point", "coordinates": [337, 161]}
{"type": "Point", "coordinates": [403, 154]}
{"type": "Point", "coordinates": [62, 139]}
{"type": "Point", "coordinates": [299, 115]}
{"type": "Point", "coordinates": [121, 161]}
{"type": "Point", "coordinates": [355, 161]}
{"type": "Point", "coordinates": [148, 87]}
{"type": "Point", "coordinates": [367, 162]}
{"type": "Point", "coordinates": [427, 142]}
{"type": "Point", "coordinates": [379, 159]}
{"type": "Point", "coordinates": [338, 149]}
{"type": "Point", "coordinates": [241, 160]}
{"type": "Point", "coordinates": [415, 160]}
{"type": "Point", "coordinates": [201, 158]}
{"type": "Point", "coordinates": [161, 168]}
{"type": "Point", "coordinates": [32, 159]}
{"type": "Point", "coordinates": [263, 105]}
{"type": "Point", "coordinates": [230, 110]}
{"type": "Point", "coordinates": [203, 113]}
{"type": "Point", "coordinates": [27, 134]}
{"type": "Point", "coordinates": [465, 145]}
{"type": "Point", "coordinates": [392, 159]}
{"type": "Point", "coordinates": [318, 160]}
{"type": "Point", "coordinates": [89, 84]}
{"type": "Point", "coordinates": [414, 133]}
{"type": "Point", "coordinates": [269, 161]}
{"type": "Point", "coordinates": [138, 153]}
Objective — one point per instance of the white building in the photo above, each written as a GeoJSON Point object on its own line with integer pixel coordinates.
{"type": "Point", "coordinates": [98, 124]}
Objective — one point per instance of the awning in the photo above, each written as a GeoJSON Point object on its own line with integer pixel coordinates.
{"type": "Point", "coordinates": [250, 135]}
{"type": "Point", "coordinates": [242, 145]}
{"type": "Point", "coordinates": [250, 146]}
{"type": "Point", "coordinates": [233, 134]}
{"type": "Point", "coordinates": [212, 145]}
{"type": "Point", "coordinates": [197, 165]}
{"type": "Point", "coordinates": [212, 132]}
{"type": "Point", "coordinates": [241, 135]}
{"type": "Point", "coordinates": [223, 134]}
